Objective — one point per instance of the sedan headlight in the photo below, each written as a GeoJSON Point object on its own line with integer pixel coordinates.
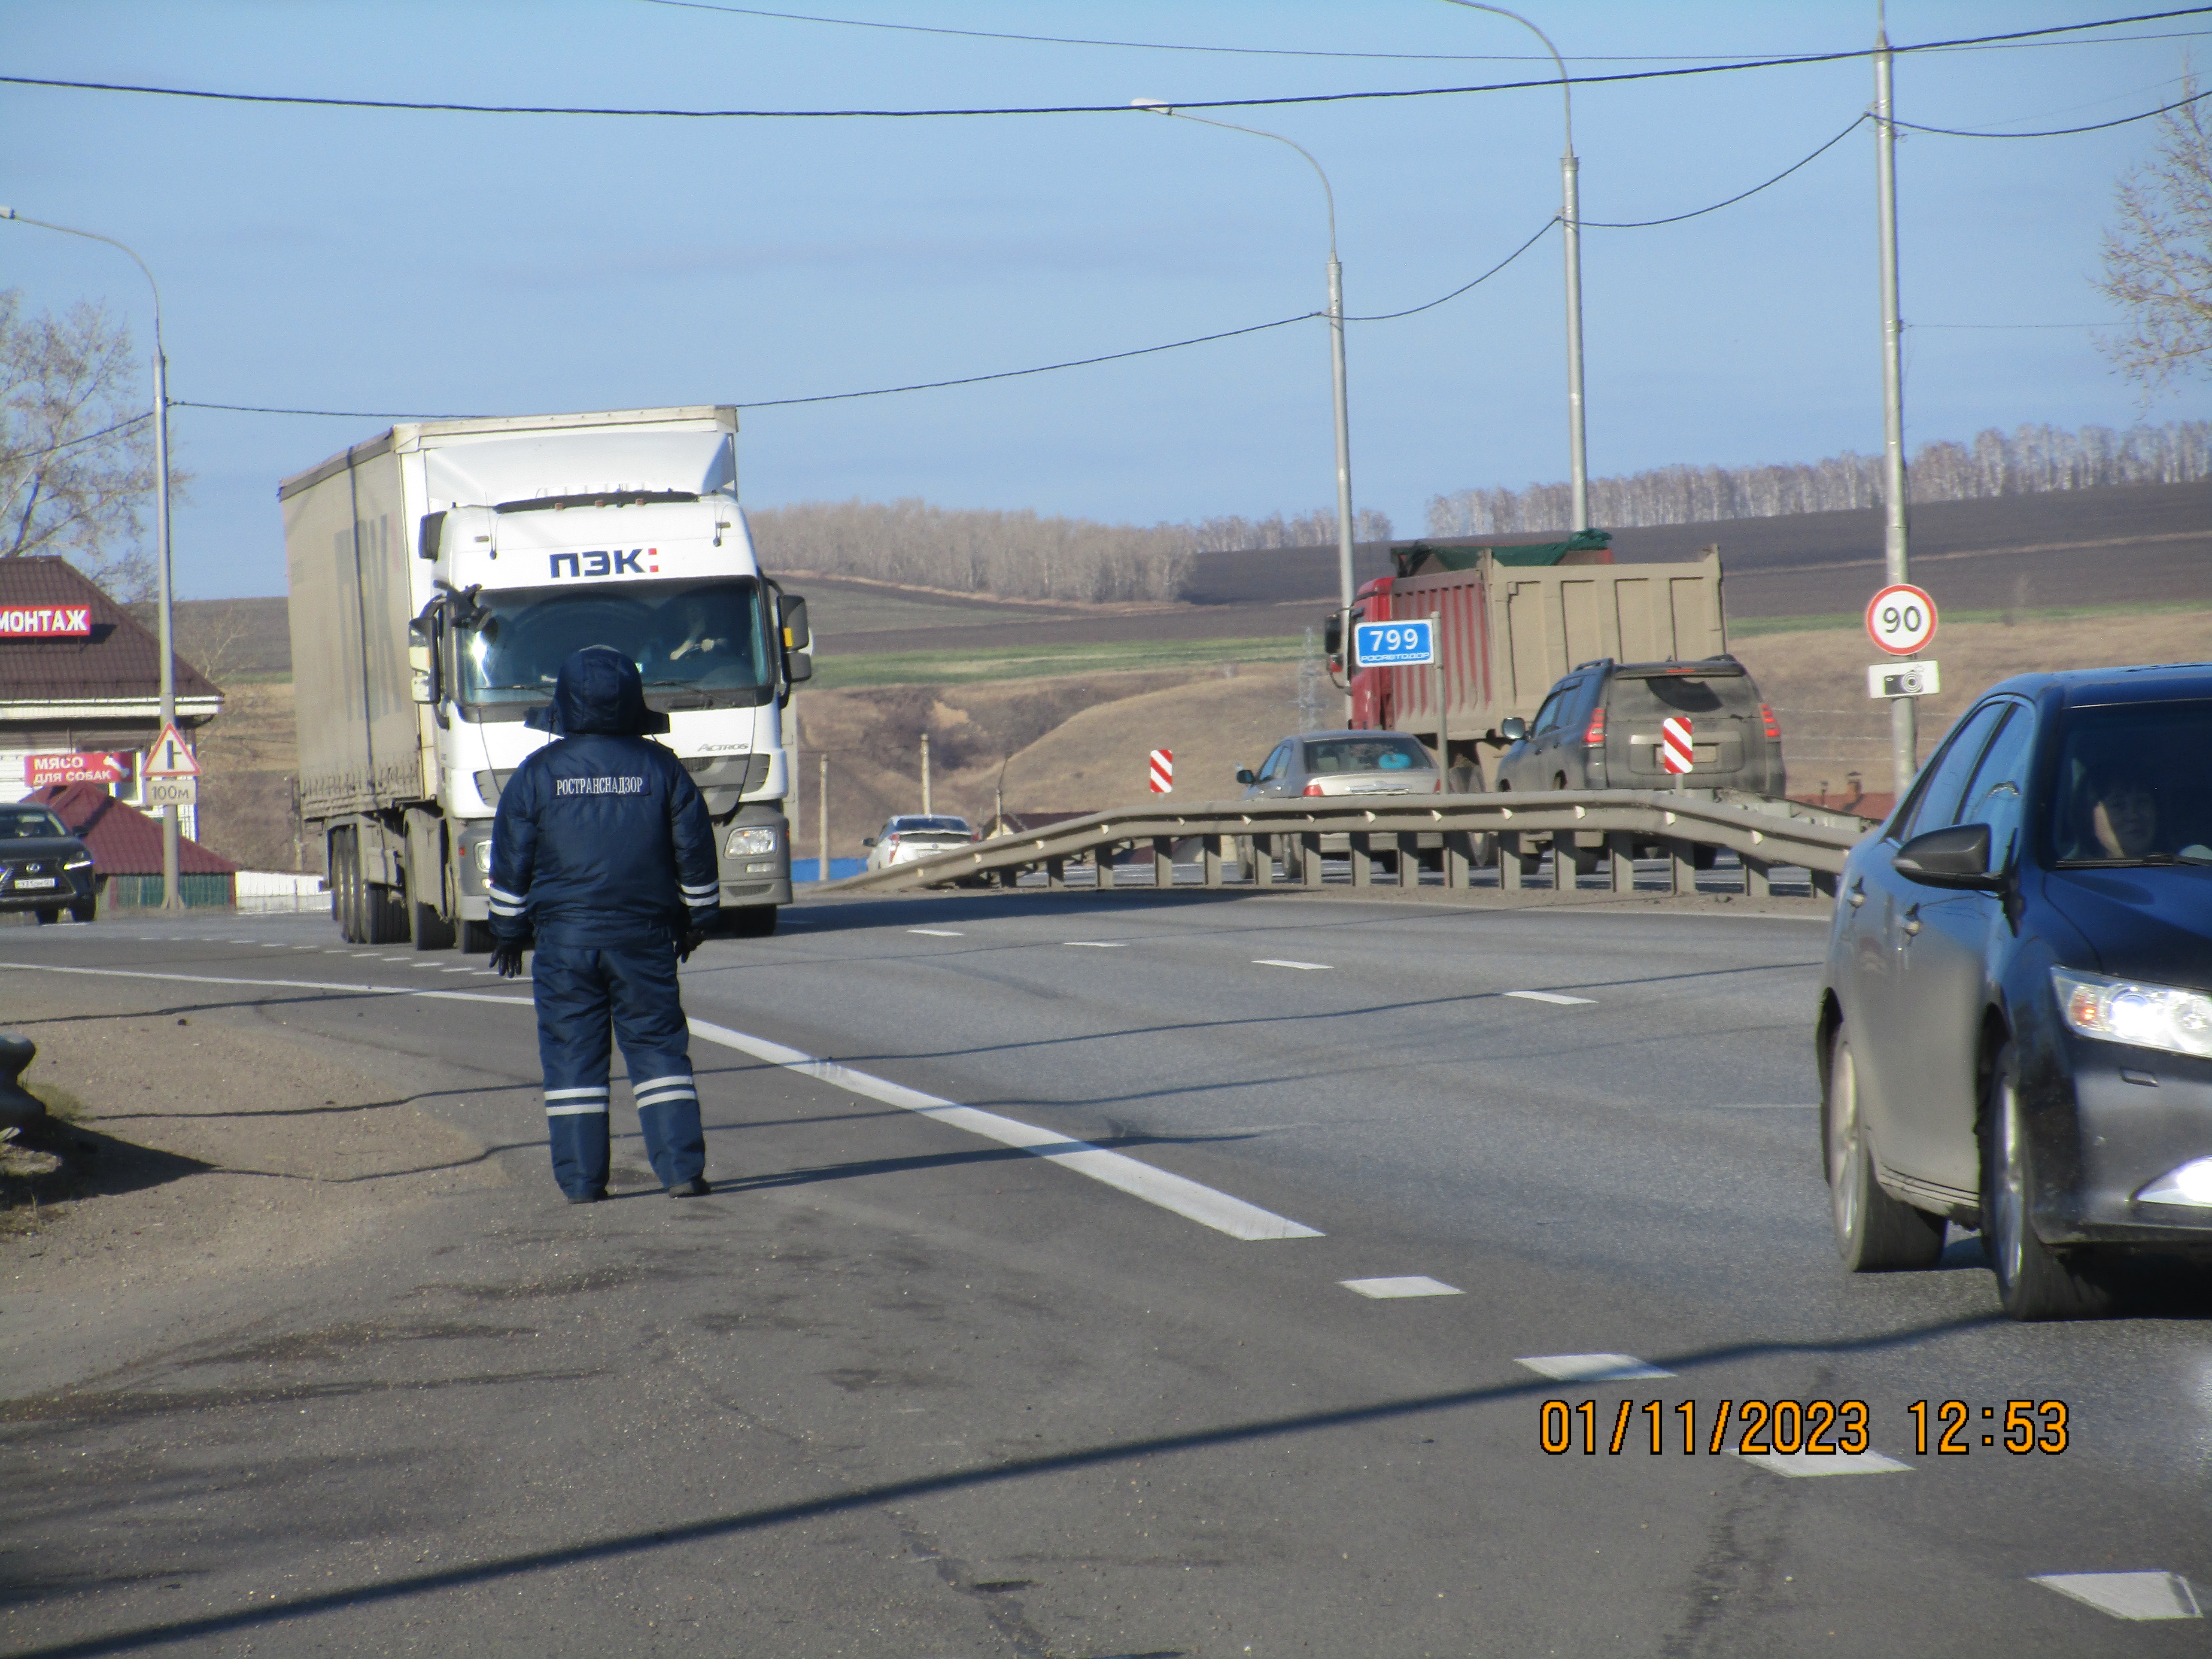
{"type": "Point", "coordinates": [2125, 1011]}
{"type": "Point", "coordinates": [750, 840]}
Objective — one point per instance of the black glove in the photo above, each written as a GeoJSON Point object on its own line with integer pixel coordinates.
{"type": "Point", "coordinates": [506, 958]}
{"type": "Point", "coordinates": [687, 941]}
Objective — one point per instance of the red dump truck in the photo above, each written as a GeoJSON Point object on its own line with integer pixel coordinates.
{"type": "Point", "coordinates": [1513, 618]}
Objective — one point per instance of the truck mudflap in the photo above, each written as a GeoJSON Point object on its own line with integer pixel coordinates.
{"type": "Point", "coordinates": [752, 851]}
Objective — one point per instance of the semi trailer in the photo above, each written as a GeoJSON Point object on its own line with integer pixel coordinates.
{"type": "Point", "coordinates": [440, 574]}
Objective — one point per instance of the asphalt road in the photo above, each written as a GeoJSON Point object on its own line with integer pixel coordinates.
{"type": "Point", "coordinates": [901, 1387]}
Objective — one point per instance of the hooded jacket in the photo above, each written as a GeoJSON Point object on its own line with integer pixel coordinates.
{"type": "Point", "coordinates": [602, 839]}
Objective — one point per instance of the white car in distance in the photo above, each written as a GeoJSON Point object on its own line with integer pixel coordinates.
{"type": "Point", "coordinates": [914, 836]}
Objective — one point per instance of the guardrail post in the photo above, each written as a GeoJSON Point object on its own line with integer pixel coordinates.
{"type": "Point", "coordinates": [1162, 862]}
{"type": "Point", "coordinates": [1310, 858]}
{"type": "Point", "coordinates": [1263, 849]}
{"type": "Point", "coordinates": [1458, 854]}
{"type": "Point", "coordinates": [1512, 869]}
{"type": "Point", "coordinates": [1362, 862]}
{"type": "Point", "coordinates": [1565, 864]}
{"type": "Point", "coordinates": [1209, 852]}
{"type": "Point", "coordinates": [1824, 881]}
{"type": "Point", "coordinates": [1682, 867]}
{"type": "Point", "coordinates": [1758, 876]}
{"type": "Point", "coordinates": [1056, 872]}
{"type": "Point", "coordinates": [1621, 854]}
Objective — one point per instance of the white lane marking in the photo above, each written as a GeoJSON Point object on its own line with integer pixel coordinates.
{"type": "Point", "coordinates": [1763, 1106]}
{"type": "Point", "coordinates": [1415, 1284]}
{"type": "Point", "coordinates": [1809, 1463]}
{"type": "Point", "coordinates": [1590, 1367]}
{"type": "Point", "coordinates": [1096, 943]}
{"type": "Point", "coordinates": [277, 984]}
{"type": "Point", "coordinates": [1185, 1197]}
{"type": "Point", "coordinates": [1550, 996]}
{"type": "Point", "coordinates": [1278, 961]}
{"type": "Point", "coordinates": [938, 933]}
{"type": "Point", "coordinates": [457, 970]}
{"type": "Point", "coordinates": [2128, 1595]}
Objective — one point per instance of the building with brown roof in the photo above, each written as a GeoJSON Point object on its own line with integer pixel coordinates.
{"type": "Point", "coordinates": [80, 676]}
{"type": "Point", "coordinates": [126, 851]}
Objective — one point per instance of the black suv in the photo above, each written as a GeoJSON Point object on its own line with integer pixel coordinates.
{"type": "Point", "coordinates": [43, 867]}
{"type": "Point", "coordinates": [1599, 729]}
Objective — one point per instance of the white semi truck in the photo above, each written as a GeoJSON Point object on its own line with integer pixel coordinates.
{"type": "Point", "coordinates": [440, 573]}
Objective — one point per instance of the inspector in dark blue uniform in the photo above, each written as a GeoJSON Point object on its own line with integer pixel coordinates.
{"type": "Point", "coordinates": [603, 851]}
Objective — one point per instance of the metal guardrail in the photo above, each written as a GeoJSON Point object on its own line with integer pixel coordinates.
{"type": "Point", "coordinates": [1463, 832]}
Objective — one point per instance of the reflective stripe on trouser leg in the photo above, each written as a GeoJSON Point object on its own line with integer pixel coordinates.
{"type": "Point", "coordinates": [571, 996]}
{"type": "Point", "coordinates": [656, 1045]}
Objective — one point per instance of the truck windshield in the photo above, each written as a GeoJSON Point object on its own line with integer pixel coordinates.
{"type": "Point", "coordinates": [696, 644]}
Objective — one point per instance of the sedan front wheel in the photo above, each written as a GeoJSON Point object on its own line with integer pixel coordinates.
{"type": "Point", "coordinates": [2034, 1280]}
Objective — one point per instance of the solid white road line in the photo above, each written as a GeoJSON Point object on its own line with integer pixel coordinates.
{"type": "Point", "coordinates": [1277, 961]}
{"type": "Point", "coordinates": [1185, 1197]}
{"type": "Point", "coordinates": [2128, 1595]}
{"type": "Point", "coordinates": [1590, 1367]}
{"type": "Point", "coordinates": [938, 933]}
{"type": "Point", "coordinates": [1417, 1284]}
{"type": "Point", "coordinates": [1550, 996]}
{"type": "Point", "coordinates": [1799, 1463]}
{"type": "Point", "coordinates": [276, 984]}
{"type": "Point", "coordinates": [1763, 1106]}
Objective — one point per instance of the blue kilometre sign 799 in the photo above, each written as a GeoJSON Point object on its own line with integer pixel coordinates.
{"type": "Point", "coordinates": [1396, 644]}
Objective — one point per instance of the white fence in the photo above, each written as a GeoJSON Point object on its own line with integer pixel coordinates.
{"type": "Point", "coordinates": [272, 890]}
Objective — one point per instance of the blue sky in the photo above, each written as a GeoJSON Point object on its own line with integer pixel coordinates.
{"type": "Point", "coordinates": [352, 259]}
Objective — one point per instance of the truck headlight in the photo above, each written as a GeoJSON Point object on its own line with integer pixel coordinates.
{"type": "Point", "coordinates": [481, 853]}
{"type": "Point", "coordinates": [751, 839]}
{"type": "Point", "coordinates": [2125, 1011]}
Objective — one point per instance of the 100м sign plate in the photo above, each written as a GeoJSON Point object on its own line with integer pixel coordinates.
{"type": "Point", "coordinates": [1396, 644]}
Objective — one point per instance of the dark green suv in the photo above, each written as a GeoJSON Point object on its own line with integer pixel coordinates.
{"type": "Point", "coordinates": [1599, 729]}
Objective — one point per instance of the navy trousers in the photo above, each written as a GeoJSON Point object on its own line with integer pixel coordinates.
{"type": "Point", "coordinates": [579, 990]}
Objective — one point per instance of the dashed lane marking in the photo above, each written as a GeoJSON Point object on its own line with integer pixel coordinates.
{"type": "Point", "coordinates": [1096, 943]}
{"type": "Point", "coordinates": [457, 970]}
{"type": "Point", "coordinates": [1280, 962]}
{"type": "Point", "coordinates": [1590, 1367]}
{"type": "Point", "coordinates": [2129, 1595]}
{"type": "Point", "coordinates": [1763, 1106]}
{"type": "Point", "coordinates": [938, 933]}
{"type": "Point", "coordinates": [1800, 1463]}
{"type": "Point", "coordinates": [1185, 1197]}
{"type": "Point", "coordinates": [1550, 996]}
{"type": "Point", "coordinates": [1416, 1284]}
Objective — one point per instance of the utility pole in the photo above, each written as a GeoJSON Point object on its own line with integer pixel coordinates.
{"type": "Point", "coordinates": [925, 774]}
{"type": "Point", "coordinates": [1904, 735]}
{"type": "Point", "coordinates": [821, 821]}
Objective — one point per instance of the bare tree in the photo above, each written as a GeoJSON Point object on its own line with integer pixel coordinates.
{"type": "Point", "coordinates": [76, 446]}
{"type": "Point", "coordinates": [2158, 255]}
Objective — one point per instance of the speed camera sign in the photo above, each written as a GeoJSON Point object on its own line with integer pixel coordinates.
{"type": "Point", "coordinates": [1901, 619]}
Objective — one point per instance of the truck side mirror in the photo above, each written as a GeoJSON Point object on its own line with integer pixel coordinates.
{"type": "Point", "coordinates": [423, 658]}
{"type": "Point", "coordinates": [426, 539]}
{"type": "Point", "coordinates": [1331, 634]}
{"type": "Point", "coordinates": [798, 668]}
{"type": "Point", "coordinates": [792, 617]}
{"type": "Point", "coordinates": [1513, 728]}
{"type": "Point", "coordinates": [1244, 776]}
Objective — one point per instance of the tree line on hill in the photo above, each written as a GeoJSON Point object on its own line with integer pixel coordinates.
{"type": "Point", "coordinates": [2027, 461]}
{"type": "Point", "coordinates": [1020, 555]}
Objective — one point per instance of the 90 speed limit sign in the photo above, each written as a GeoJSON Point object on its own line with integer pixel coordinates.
{"type": "Point", "coordinates": [1901, 619]}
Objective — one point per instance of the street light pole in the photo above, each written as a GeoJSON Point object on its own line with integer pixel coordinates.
{"type": "Point", "coordinates": [1903, 714]}
{"type": "Point", "coordinates": [171, 898]}
{"type": "Point", "coordinates": [1343, 559]}
{"type": "Point", "coordinates": [1571, 217]}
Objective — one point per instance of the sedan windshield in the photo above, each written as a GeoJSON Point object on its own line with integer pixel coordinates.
{"type": "Point", "coordinates": [2134, 784]}
{"type": "Point", "coordinates": [1381, 753]}
{"type": "Point", "coordinates": [29, 824]}
{"type": "Point", "coordinates": [701, 637]}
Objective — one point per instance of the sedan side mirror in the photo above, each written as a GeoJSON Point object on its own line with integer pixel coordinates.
{"type": "Point", "coordinates": [1244, 776]}
{"type": "Point", "coordinates": [1957, 856]}
{"type": "Point", "coordinates": [1513, 728]}
{"type": "Point", "coordinates": [867, 841]}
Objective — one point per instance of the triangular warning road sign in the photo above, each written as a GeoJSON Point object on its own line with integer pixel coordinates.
{"type": "Point", "coordinates": [170, 756]}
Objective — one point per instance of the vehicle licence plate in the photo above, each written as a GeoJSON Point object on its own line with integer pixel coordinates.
{"type": "Point", "coordinates": [37, 881]}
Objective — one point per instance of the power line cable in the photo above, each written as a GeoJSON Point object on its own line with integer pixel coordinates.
{"type": "Point", "coordinates": [1699, 213]}
{"type": "Point", "coordinates": [1414, 310]}
{"type": "Point", "coordinates": [1546, 83]}
{"type": "Point", "coordinates": [2057, 133]}
{"type": "Point", "coordinates": [1236, 51]}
